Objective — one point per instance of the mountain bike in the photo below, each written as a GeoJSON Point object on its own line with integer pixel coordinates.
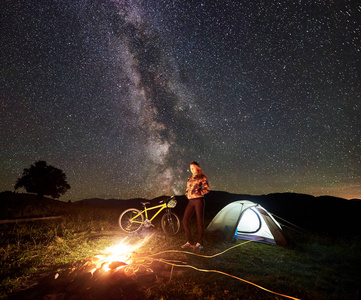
{"type": "Point", "coordinates": [133, 219]}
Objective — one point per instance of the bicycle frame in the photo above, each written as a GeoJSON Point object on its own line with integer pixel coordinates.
{"type": "Point", "coordinates": [146, 209]}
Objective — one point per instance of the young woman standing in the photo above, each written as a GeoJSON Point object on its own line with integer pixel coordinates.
{"type": "Point", "coordinates": [197, 187]}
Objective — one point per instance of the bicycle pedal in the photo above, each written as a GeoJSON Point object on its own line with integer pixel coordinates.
{"type": "Point", "coordinates": [147, 223]}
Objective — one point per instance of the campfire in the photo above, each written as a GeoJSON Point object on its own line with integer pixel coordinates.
{"type": "Point", "coordinates": [119, 272]}
{"type": "Point", "coordinates": [115, 258]}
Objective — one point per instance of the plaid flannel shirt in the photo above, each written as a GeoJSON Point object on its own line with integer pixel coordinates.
{"type": "Point", "coordinates": [197, 186]}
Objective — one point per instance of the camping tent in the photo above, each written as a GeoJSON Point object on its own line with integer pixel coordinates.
{"type": "Point", "coordinates": [248, 221]}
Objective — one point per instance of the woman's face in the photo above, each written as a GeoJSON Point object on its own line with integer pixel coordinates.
{"type": "Point", "coordinates": [194, 169]}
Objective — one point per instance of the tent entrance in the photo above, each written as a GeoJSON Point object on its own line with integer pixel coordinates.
{"type": "Point", "coordinates": [249, 222]}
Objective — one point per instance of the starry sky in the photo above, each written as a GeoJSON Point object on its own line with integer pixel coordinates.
{"type": "Point", "coordinates": [123, 95]}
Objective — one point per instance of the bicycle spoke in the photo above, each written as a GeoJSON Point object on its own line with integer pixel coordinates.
{"type": "Point", "coordinates": [170, 223]}
{"type": "Point", "coordinates": [131, 220]}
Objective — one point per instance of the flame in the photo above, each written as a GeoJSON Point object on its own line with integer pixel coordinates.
{"type": "Point", "coordinates": [119, 256]}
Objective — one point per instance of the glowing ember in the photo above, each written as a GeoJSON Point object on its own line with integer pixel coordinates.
{"type": "Point", "coordinates": [118, 272]}
{"type": "Point", "coordinates": [116, 257]}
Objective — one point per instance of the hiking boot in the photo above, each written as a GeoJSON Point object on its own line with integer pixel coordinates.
{"type": "Point", "coordinates": [198, 246]}
{"type": "Point", "coordinates": [187, 245]}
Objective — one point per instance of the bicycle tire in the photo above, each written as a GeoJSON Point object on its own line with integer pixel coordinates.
{"type": "Point", "coordinates": [126, 221]}
{"type": "Point", "coordinates": [170, 223]}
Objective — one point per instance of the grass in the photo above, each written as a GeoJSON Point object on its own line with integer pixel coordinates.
{"type": "Point", "coordinates": [310, 267]}
{"type": "Point", "coordinates": [307, 271]}
{"type": "Point", "coordinates": [30, 250]}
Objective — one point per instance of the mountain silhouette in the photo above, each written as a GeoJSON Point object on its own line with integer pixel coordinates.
{"type": "Point", "coordinates": [324, 214]}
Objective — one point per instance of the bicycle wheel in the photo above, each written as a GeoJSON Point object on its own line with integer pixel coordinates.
{"type": "Point", "coordinates": [128, 223]}
{"type": "Point", "coordinates": [170, 223]}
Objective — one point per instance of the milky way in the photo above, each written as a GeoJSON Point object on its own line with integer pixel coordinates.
{"type": "Point", "coordinates": [123, 95]}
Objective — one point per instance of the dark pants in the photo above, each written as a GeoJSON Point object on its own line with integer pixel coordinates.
{"type": "Point", "coordinates": [196, 205]}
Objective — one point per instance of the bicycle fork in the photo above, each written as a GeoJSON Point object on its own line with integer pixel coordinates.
{"type": "Point", "coordinates": [167, 212]}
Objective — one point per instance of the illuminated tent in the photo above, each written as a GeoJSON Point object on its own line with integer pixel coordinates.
{"type": "Point", "coordinates": [248, 221]}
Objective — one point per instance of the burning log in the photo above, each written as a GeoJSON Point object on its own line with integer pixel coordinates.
{"type": "Point", "coordinates": [119, 273]}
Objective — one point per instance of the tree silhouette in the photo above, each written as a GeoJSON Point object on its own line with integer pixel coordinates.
{"type": "Point", "coordinates": [43, 179]}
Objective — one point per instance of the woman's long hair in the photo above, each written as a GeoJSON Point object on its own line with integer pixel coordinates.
{"type": "Point", "coordinates": [200, 172]}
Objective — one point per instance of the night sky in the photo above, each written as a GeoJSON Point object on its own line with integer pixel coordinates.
{"type": "Point", "coordinates": [123, 95]}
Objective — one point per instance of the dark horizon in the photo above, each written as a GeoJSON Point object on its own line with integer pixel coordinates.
{"type": "Point", "coordinates": [183, 195]}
